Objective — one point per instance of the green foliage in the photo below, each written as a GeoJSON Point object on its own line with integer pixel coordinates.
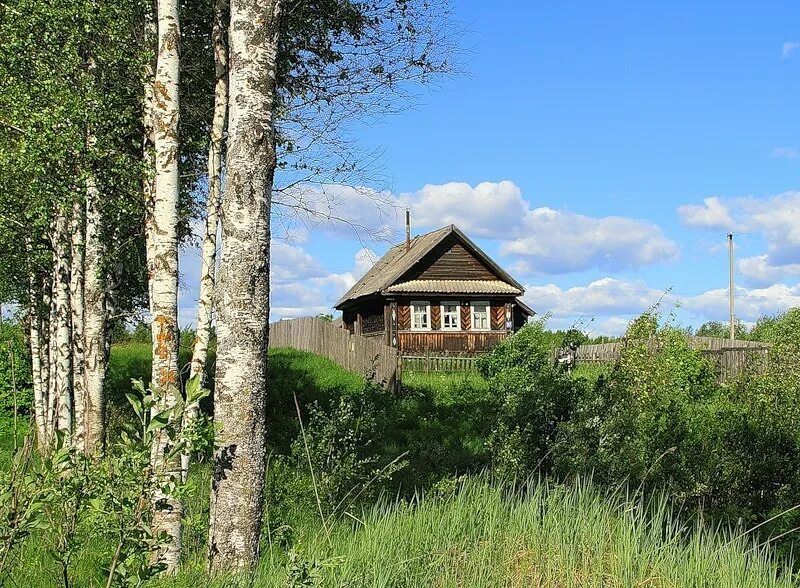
{"type": "Point", "coordinates": [342, 446]}
{"type": "Point", "coordinates": [72, 500]}
{"type": "Point", "coordinates": [16, 386]}
{"type": "Point", "coordinates": [533, 396]}
{"type": "Point", "coordinates": [722, 330]}
{"type": "Point", "coordinates": [484, 535]}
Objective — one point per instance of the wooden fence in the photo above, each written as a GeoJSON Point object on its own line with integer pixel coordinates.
{"type": "Point", "coordinates": [367, 356]}
{"type": "Point", "coordinates": [439, 363]}
{"type": "Point", "coordinates": [730, 357]}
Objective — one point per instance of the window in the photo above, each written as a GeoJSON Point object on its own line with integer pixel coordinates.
{"type": "Point", "coordinates": [420, 316]}
{"type": "Point", "coordinates": [451, 316]}
{"type": "Point", "coordinates": [480, 316]}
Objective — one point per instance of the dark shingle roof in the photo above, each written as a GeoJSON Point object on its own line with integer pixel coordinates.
{"type": "Point", "coordinates": [397, 261]}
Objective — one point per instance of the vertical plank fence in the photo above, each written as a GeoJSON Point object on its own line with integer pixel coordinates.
{"type": "Point", "coordinates": [730, 357]}
{"type": "Point", "coordinates": [362, 355]}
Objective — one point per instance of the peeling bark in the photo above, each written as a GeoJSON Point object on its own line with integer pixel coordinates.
{"type": "Point", "coordinates": [95, 331]}
{"type": "Point", "coordinates": [38, 364]}
{"type": "Point", "coordinates": [162, 261]}
{"type": "Point", "coordinates": [76, 292]}
{"type": "Point", "coordinates": [209, 249]}
{"type": "Point", "coordinates": [243, 288]}
{"type": "Point", "coordinates": [61, 366]}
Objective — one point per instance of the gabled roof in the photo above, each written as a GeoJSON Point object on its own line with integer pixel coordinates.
{"type": "Point", "coordinates": [397, 261]}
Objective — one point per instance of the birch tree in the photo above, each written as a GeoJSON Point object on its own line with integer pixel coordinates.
{"type": "Point", "coordinates": [243, 311]}
{"type": "Point", "coordinates": [61, 330]}
{"type": "Point", "coordinates": [162, 261]}
{"type": "Point", "coordinates": [208, 263]}
{"type": "Point", "coordinates": [76, 302]}
{"type": "Point", "coordinates": [285, 61]}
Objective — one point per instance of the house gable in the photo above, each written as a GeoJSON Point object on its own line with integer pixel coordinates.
{"type": "Point", "coordinates": [450, 259]}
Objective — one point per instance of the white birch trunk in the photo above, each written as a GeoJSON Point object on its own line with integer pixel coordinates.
{"type": "Point", "coordinates": [52, 387]}
{"type": "Point", "coordinates": [95, 332]}
{"type": "Point", "coordinates": [209, 249]}
{"type": "Point", "coordinates": [44, 335]}
{"type": "Point", "coordinates": [243, 288]}
{"type": "Point", "coordinates": [38, 350]}
{"type": "Point", "coordinates": [61, 368]}
{"type": "Point", "coordinates": [162, 261]}
{"type": "Point", "coordinates": [76, 291]}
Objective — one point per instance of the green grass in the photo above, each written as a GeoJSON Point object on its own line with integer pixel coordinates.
{"type": "Point", "coordinates": [592, 371]}
{"type": "Point", "coordinates": [475, 535]}
{"type": "Point", "coordinates": [467, 533]}
{"type": "Point", "coordinates": [479, 536]}
{"type": "Point", "coordinates": [443, 381]}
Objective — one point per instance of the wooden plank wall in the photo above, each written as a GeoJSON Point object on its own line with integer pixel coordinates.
{"type": "Point", "coordinates": [444, 342]}
{"type": "Point", "coordinates": [731, 357]}
{"type": "Point", "coordinates": [605, 352]}
{"type": "Point", "coordinates": [439, 363]}
{"type": "Point", "coordinates": [363, 355]}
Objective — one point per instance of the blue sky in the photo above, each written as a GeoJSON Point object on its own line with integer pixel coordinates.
{"type": "Point", "coordinates": [600, 152]}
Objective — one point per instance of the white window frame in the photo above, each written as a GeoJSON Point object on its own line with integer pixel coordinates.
{"type": "Point", "coordinates": [457, 304]}
{"type": "Point", "coordinates": [427, 306]}
{"type": "Point", "coordinates": [488, 306]}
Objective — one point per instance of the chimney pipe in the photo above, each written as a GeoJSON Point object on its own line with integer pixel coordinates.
{"type": "Point", "coordinates": [408, 229]}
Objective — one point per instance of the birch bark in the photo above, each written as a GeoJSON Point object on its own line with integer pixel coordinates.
{"type": "Point", "coordinates": [243, 288]}
{"type": "Point", "coordinates": [76, 292]}
{"type": "Point", "coordinates": [61, 367]}
{"type": "Point", "coordinates": [209, 250]}
{"type": "Point", "coordinates": [95, 332]}
{"type": "Point", "coordinates": [162, 260]}
{"type": "Point", "coordinates": [40, 388]}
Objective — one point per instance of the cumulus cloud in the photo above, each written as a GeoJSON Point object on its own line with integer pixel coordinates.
{"type": "Point", "coordinates": [338, 210]}
{"type": "Point", "coordinates": [775, 218]}
{"type": "Point", "coordinates": [788, 48]}
{"type": "Point", "coordinates": [712, 214]}
{"type": "Point", "coordinates": [606, 296]}
{"type": "Point", "coordinates": [750, 304]}
{"type": "Point", "coordinates": [559, 242]}
{"type": "Point", "coordinates": [490, 209]}
{"type": "Point", "coordinates": [760, 271]}
{"type": "Point", "coordinates": [606, 306]}
{"type": "Point", "coordinates": [543, 240]}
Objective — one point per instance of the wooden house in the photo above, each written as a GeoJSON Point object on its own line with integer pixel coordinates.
{"type": "Point", "coordinates": [435, 293]}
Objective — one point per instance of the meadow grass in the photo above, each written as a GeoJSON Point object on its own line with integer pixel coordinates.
{"type": "Point", "coordinates": [592, 371]}
{"type": "Point", "coordinates": [482, 536]}
{"type": "Point", "coordinates": [442, 382]}
{"type": "Point", "coordinates": [470, 533]}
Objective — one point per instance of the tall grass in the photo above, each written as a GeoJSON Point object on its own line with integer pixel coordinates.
{"type": "Point", "coordinates": [482, 536]}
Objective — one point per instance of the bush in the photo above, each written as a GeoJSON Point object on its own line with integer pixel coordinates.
{"type": "Point", "coordinates": [16, 381]}
{"type": "Point", "coordinates": [532, 397]}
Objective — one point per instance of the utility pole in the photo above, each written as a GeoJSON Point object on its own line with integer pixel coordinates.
{"type": "Point", "coordinates": [730, 286]}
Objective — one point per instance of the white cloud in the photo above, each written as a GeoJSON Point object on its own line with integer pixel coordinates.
{"type": "Point", "coordinates": [785, 153]}
{"type": "Point", "coordinates": [750, 304]}
{"type": "Point", "coordinates": [490, 209]}
{"type": "Point", "coordinates": [344, 211]}
{"type": "Point", "coordinates": [606, 306]}
{"type": "Point", "coordinates": [788, 48]}
{"type": "Point", "coordinates": [364, 260]}
{"type": "Point", "coordinates": [760, 271]}
{"type": "Point", "coordinates": [603, 297]}
{"type": "Point", "coordinates": [776, 219]}
{"type": "Point", "coordinates": [711, 214]}
{"type": "Point", "coordinates": [558, 242]}
{"type": "Point", "coordinates": [543, 239]}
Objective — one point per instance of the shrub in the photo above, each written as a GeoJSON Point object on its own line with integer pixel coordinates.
{"type": "Point", "coordinates": [16, 387]}
{"type": "Point", "coordinates": [532, 398]}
